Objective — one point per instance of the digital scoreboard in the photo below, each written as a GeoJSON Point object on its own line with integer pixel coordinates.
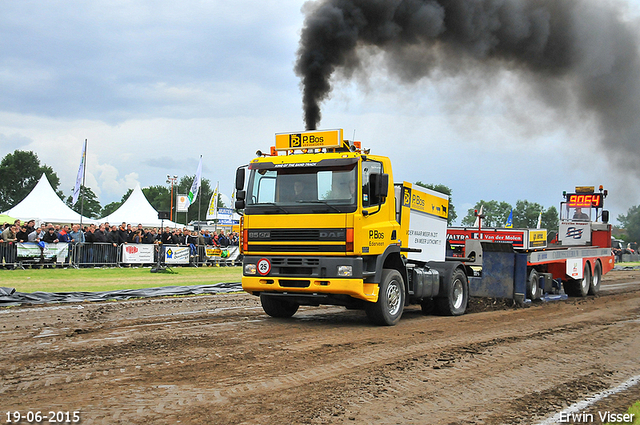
{"type": "Point", "coordinates": [585, 200]}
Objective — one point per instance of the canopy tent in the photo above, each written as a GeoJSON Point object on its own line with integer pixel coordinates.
{"type": "Point", "coordinates": [6, 219]}
{"type": "Point", "coordinates": [137, 210]}
{"type": "Point", "coordinates": [43, 205]}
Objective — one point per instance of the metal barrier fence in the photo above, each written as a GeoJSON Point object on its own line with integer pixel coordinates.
{"type": "Point", "coordinates": [95, 254]}
{"type": "Point", "coordinates": [21, 255]}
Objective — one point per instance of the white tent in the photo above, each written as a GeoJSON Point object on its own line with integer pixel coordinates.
{"type": "Point", "coordinates": [137, 210]}
{"type": "Point", "coordinates": [44, 205]}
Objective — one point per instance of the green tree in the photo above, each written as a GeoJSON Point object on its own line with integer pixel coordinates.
{"type": "Point", "coordinates": [159, 197]}
{"type": "Point", "coordinates": [525, 215]}
{"type": "Point", "coordinates": [550, 219]}
{"type": "Point", "coordinates": [110, 208]}
{"type": "Point", "coordinates": [495, 214]}
{"type": "Point", "coordinates": [19, 174]}
{"type": "Point", "coordinates": [631, 223]}
{"type": "Point", "coordinates": [113, 206]}
{"type": "Point", "coordinates": [87, 203]}
{"type": "Point", "coordinates": [447, 191]}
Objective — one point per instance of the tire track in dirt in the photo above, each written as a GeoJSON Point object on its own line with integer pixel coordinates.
{"type": "Point", "coordinates": [213, 361]}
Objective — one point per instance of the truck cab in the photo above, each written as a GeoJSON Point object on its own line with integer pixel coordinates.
{"type": "Point", "coordinates": [324, 223]}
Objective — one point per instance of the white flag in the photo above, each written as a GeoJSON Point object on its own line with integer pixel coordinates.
{"type": "Point", "coordinates": [539, 225]}
{"type": "Point", "coordinates": [76, 190]}
{"type": "Point", "coordinates": [477, 222]}
{"type": "Point", "coordinates": [193, 192]}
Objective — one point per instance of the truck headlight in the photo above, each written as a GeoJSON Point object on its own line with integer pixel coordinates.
{"type": "Point", "coordinates": [250, 269]}
{"type": "Point", "coordinates": [345, 271]}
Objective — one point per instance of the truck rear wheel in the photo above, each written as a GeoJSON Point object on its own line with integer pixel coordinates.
{"type": "Point", "coordinates": [594, 288]}
{"type": "Point", "coordinates": [388, 309]}
{"type": "Point", "coordinates": [277, 307]}
{"type": "Point", "coordinates": [455, 303]}
{"type": "Point", "coordinates": [534, 292]}
{"type": "Point", "coordinates": [580, 287]}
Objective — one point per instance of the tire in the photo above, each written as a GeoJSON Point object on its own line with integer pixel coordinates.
{"type": "Point", "coordinates": [594, 287]}
{"type": "Point", "coordinates": [388, 309]}
{"type": "Point", "coordinates": [455, 303]}
{"type": "Point", "coordinates": [277, 307]}
{"type": "Point", "coordinates": [580, 287]}
{"type": "Point", "coordinates": [534, 292]}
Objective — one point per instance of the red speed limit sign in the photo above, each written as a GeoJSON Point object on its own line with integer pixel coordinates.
{"type": "Point", "coordinates": [264, 266]}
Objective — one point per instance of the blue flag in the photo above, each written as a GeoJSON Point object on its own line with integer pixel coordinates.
{"type": "Point", "coordinates": [509, 224]}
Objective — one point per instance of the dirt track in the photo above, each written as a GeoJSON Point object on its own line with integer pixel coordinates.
{"type": "Point", "coordinates": [220, 359]}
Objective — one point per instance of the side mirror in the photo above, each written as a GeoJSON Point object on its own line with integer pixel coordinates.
{"type": "Point", "coordinates": [240, 197]}
{"type": "Point", "coordinates": [240, 179]}
{"type": "Point", "coordinates": [605, 216]}
{"type": "Point", "coordinates": [379, 185]}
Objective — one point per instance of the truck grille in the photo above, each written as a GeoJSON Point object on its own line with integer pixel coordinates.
{"type": "Point", "coordinates": [258, 240]}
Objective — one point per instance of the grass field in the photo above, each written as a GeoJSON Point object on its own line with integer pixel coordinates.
{"type": "Point", "coordinates": [94, 280]}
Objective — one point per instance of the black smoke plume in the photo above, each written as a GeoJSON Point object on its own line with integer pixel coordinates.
{"type": "Point", "coordinates": [585, 47]}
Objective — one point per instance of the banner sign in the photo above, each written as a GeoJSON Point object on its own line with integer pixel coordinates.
{"type": "Point", "coordinates": [182, 203]}
{"type": "Point", "coordinates": [229, 253]}
{"type": "Point", "coordinates": [176, 255]}
{"type": "Point", "coordinates": [47, 250]}
{"type": "Point", "coordinates": [137, 253]}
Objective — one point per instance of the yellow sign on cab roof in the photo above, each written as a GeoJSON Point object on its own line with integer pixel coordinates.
{"type": "Point", "coordinates": [309, 140]}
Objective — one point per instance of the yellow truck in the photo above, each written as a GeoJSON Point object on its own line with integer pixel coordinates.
{"type": "Point", "coordinates": [323, 223]}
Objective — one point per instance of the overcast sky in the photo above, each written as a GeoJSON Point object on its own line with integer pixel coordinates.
{"type": "Point", "coordinates": [154, 85]}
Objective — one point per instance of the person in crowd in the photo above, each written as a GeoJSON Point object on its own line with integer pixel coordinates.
{"type": "Point", "coordinates": [166, 238]}
{"type": "Point", "coordinates": [207, 237]}
{"type": "Point", "coordinates": [223, 241]}
{"type": "Point", "coordinates": [137, 236]}
{"type": "Point", "coordinates": [34, 235]}
{"type": "Point", "coordinates": [31, 226]}
{"type": "Point", "coordinates": [22, 235]}
{"type": "Point", "coordinates": [175, 239]}
{"type": "Point", "coordinates": [89, 236]}
{"type": "Point", "coordinates": [50, 236]}
{"type": "Point", "coordinates": [63, 234]}
{"type": "Point", "coordinates": [129, 233]}
{"type": "Point", "coordinates": [7, 237]}
{"type": "Point", "coordinates": [9, 233]}
{"type": "Point", "coordinates": [100, 235]}
{"type": "Point", "coordinates": [43, 230]}
{"type": "Point", "coordinates": [113, 236]}
{"type": "Point", "coordinates": [150, 236]}
{"type": "Point", "coordinates": [123, 235]}
{"type": "Point", "coordinates": [76, 235]}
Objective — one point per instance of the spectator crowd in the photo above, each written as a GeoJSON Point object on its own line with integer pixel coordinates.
{"type": "Point", "coordinates": [105, 233]}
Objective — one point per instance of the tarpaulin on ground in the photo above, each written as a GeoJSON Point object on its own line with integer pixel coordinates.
{"type": "Point", "coordinates": [9, 296]}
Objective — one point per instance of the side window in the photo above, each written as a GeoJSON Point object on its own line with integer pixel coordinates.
{"type": "Point", "coordinates": [368, 168]}
{"type": "Point", "coordinates": [263, 188]}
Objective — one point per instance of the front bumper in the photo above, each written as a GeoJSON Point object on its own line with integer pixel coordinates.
{"type": "Point", "coordinates": [355, 288]}
{"type": "Point", "coordinates": [309, 276]}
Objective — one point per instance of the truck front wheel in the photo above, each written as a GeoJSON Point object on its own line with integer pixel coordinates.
{"type": "Point", "coordinates": [457, 297]}
{"type": "Point", "coordinates": [278, 307]}
{"type": "Point", "coordinates": [388, 309]}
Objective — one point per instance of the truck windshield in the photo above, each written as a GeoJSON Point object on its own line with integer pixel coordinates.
{"type": "Point", "coordinates": [302, 190]}
{"type": "Point", "coordinates": [574, 214]}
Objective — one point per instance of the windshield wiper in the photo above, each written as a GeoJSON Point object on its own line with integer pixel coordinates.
{"type": "Point", "coordinates": [272, 204]}
{"type": "Point", "coordinates": [321, 202]}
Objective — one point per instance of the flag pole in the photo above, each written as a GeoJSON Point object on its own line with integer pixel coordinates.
{"type": "Point", "coordinates": [84, 163]}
